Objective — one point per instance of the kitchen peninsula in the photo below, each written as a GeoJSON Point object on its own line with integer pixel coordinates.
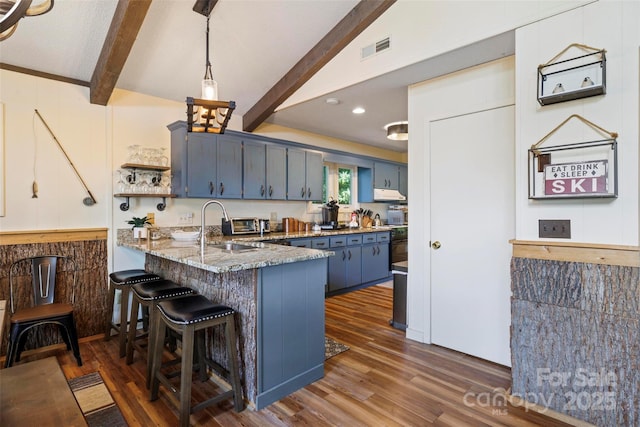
{"type": "Point", "coordinates": [278, 294]}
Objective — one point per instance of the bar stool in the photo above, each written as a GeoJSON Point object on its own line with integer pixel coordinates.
{"type": "Point", "coordinates": [186, 316]}
{"type": "Point", "coordinates": [123, 280]}
{"type": "Point", "coordinates": [147, 295]}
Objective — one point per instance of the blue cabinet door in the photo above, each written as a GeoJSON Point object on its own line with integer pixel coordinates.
{"type": "Point", "coordinates": [276, 173]}
{"type": "Point", "coordinates": [375, 262]}
{"type": "Point", "coordinates": [385, 175]}
{"type": "Point", "coordinates": [296, 170]}
{"type": "Point", "coordinates": [201, 165]}
{"type": "Point", "coordinates": [403, 181]}
{"type": "Point", "coordinates": [254, 168]}
{"type": "Point", "coordinates": [337, 269]}
{"type": "Point", "coordinates": [178, 160]}
{"type": "Point", "coordinates": [353, 271]}
{"type": "Point", "coordinates": [313, 176]}
{"type": "Point", "coordinates": [229, 167]}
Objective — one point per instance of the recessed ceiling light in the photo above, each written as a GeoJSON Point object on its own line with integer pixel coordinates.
{"type": "Point", "coordinates": [332, 101]}
{"type": "Point", "coordinates": [358, 110]}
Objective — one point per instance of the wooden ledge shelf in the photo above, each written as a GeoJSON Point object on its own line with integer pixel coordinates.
{"type": "Point", "coordinates": [22, 237]}
{"type": "Point", "coordinates": [593, 253]}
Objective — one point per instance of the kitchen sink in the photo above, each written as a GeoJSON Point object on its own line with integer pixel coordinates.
{"type": "Point", "coordinates": [236, 247]}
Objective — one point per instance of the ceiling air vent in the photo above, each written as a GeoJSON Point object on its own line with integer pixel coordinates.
{"type": "Point", "coordinates": [375, 48]}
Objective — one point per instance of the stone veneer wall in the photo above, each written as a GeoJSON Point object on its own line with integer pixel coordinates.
{"type": "Point", "coordinates": [91, 286]}
{"type": "Point", "coordinates": [235, 289]}
{"type": "Point", "coordinates": [575, 339]}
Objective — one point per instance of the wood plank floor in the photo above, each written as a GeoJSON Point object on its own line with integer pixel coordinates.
{"type": "Point", "coordinates": [383, 380]}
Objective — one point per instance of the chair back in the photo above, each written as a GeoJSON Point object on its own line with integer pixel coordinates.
{"type": "Point", "coordinates": [43, 278]}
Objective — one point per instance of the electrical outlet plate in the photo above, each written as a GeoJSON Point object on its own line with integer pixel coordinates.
{"type": "Point", "coordinates": [186, 218]}
{"type": "Point", "coordinates": [554, 228]}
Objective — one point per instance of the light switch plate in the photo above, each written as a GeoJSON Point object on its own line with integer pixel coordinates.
{"type": "Point", "coordinates": [554, 228]}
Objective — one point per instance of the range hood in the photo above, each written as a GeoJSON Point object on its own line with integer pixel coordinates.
{"type": "Point", "coordinates": [385, 195]}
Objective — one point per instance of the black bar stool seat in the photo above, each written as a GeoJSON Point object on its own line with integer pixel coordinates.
{"type": "Point", "coordinates": [123, 280]}
{"type": "Point", "coordinates": [186, 316]}
{"type": "Point", "coordinates": [147, 294]}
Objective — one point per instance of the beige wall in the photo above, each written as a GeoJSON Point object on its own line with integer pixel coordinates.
{"type": "Point", "coordinates": [96, 139]}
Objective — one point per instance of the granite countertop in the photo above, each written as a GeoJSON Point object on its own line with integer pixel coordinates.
{"type": "Point", "coordinates": [309, 234]}
{"type": "Point", "coordinates": [221, 261]}
{"type": "Point", "coordinates": [218, 260]}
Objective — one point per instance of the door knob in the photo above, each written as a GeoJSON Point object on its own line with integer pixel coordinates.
{"type": "Point", "coordinates": [436, 245]}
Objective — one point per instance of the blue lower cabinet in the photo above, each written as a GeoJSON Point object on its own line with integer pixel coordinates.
{"type": "Point", "coordinates": [290, 328]}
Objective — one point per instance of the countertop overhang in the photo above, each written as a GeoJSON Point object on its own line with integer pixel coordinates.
{"type": "Point", "coordinates": [221, 261]}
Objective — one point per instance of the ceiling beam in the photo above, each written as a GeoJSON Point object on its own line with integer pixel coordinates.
{"type": "Point", "coordinates": [126, 23]}
{"type": "Point", "coordinates": [359, 18]}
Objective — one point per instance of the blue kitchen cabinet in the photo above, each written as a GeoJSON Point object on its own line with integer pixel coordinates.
{"type": "Point", "coordinates": [385, 175]}
{"type": "Point", "coordinates": [214, 166]}
{"type": "Point", "coordinates": [255, 170]}
{"type": "Point", "coordinates": [304, 175]}
{"type": "Point", "coordinates": [375, 256]}
{"type": "Point", "coordinates": [229, 166]}
{"type": "Point", "coordinates": [403, 182]}
{"type": "Point", "coordinates": [290, 328]}
{"type": "Point", "coordinates": [276, 182]}
{"type": "Point", "coordinates": [201, 165]}
{"type": "Point", "coordinates": [264, 168]}
{"type": "Point", "coordinates": [345, 267]}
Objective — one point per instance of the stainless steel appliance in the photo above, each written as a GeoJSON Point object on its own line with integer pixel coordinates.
{"type": "Point", "coordinates": [397, 215]}
{"type": "Point", "coordinates": [245, 226]}
{"type": "Point", "coordinates": [400, 271]}
{"type": "Point", "coordinates": [399, 244]}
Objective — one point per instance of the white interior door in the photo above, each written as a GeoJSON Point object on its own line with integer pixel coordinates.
{"type": "Point", "coordinates": [472, 220]}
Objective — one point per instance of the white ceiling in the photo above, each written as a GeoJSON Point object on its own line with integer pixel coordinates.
{"type": "Point", "coordinates": [253, 44]}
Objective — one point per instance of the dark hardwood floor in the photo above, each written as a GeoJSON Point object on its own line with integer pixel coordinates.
{"type": "Point", "coordinates": [383, 380]}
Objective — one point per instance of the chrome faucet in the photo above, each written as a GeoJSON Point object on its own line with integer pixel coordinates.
{"type": "Point", "coordinates": [202, 230]}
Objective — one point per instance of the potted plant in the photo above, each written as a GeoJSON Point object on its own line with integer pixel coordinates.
{"type": "Point", "coordinates": [139, 227]}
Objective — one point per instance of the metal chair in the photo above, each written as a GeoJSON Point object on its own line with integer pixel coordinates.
{"type": "Point", "coordinates": [43, 309]}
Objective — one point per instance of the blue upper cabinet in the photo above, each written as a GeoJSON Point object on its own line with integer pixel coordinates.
{"type": "Point", "coordinates": [276, 172]}
{"type": "Point", "coordinates": [265, 171]}
{"type": "Point", "coordinates": [385, 175]}
{"type": "Point", "coordinates": [255, 170]}
{"type": "Point", "coordinates": [201, 165]}
{"type": "Point", "coordinates": [214, 166]}
{"type": "Point", "coordinates": [403, 181]}
{"type": "Point", "coordinates": [229, 167]}
{"type": "Point", "coordinates": [304, 175]}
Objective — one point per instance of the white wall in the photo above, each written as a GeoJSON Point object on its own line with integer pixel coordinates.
{"type": "Point", "coordinates": [479, 88]}
{"type": "Point", "coordinates": [610, 25]}
{"type": "Point", "coordinates": [421, 29]}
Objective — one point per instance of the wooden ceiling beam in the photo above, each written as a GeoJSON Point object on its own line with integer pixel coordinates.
{"type": "Point", "coordinates": [126, 23]}
{"type": "Point", "coordinates": [359, 18]}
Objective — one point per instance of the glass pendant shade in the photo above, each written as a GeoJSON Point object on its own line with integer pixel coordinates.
{"type": "Point", "coordinates": [210, 89]}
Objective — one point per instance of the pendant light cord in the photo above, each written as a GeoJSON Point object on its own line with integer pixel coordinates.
{"type": "Point", "coordinates": [208, 75]}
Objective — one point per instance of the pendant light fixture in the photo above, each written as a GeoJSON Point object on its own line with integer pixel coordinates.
{"type": "Point", "coordinates": [11, 11]}
{"type": "Point", "coordinates": [207, 114]}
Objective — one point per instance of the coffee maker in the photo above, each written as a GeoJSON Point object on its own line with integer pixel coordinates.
{"type": "Point", "coordinates": [330, 216]}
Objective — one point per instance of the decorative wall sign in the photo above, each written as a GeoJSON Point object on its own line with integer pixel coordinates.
{"type": "Point", "coordinates": [577, 170]}
{"type": "Point", "coordinates": [578, 77]}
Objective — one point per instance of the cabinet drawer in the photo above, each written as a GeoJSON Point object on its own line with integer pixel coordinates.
{"type": "Point", "coordinates": [354, 240]}
{"type": "Point", "coordinates": [369, 238]}
{"type": "Point", "coordinates": [301, 243]}
{"type": "Point", "coordinates": [338, 241]}
{"type": "Point", "coordinates": [322, 243]}
{"type": "Point", "coordinates": [383, 237]}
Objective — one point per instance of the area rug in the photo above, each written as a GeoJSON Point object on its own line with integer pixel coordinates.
{"type": "Point", "coordinates": [332, 347]}
{"type": "Point", "coordinates": [95, 401]}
